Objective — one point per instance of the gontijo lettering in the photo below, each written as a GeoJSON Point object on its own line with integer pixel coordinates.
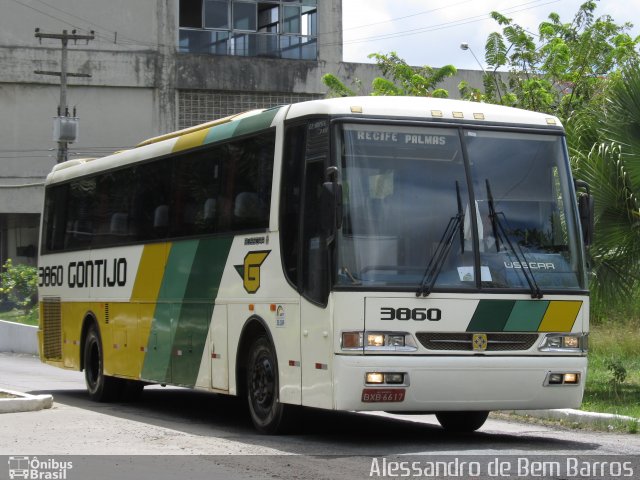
{"type": "Point", "coordinates": [85, 274]}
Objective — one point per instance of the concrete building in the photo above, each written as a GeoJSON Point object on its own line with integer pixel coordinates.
{"type": "Point", "coordinates": [154, 66]}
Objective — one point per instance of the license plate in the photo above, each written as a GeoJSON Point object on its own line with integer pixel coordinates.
{"type": "Point", "coordinates": [371, 395]}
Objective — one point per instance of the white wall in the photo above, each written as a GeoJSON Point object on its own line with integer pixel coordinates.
{"type": "Point", "coordinates": [18, 338]}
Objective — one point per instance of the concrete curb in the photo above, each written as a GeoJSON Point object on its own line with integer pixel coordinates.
{"type": "Point", "coordinates": [577, 416]}
{"type": "Point", "coordinates": [24, 402]}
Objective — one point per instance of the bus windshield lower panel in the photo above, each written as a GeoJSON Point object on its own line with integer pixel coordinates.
{"type": "Point", "coordinates": [412, 220]}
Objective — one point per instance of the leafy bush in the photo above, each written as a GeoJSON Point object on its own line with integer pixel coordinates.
{"type": "Point", "coordinates": [19, 285]}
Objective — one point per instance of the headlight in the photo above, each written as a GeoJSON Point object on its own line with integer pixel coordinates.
{"type": "Point", "coordinates": [387, 378]}
{"type": "Point", "coordinates": [378, 341]}
{"type": "Point", "coordinates": [565, 342]}
{"type": "Point", "coordinates": [562, 378]}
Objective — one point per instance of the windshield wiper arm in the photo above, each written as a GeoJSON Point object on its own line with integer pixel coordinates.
{"type": "Point", "coordinates": [442, 251]}
{"type": "Point", "coordinates": [499, 230]}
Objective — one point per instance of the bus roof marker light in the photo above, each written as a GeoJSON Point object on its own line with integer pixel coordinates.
{"type": "Point", "coordinates": [458, 115]}
{"type": "Point", "coordinates": [356, 109]}
{"type": "Point", "coordinates": [436, 113]}
{"type": "Point", "coordinates": [478, 116]}
{"type": "Point", "coordinates": [551, 121]}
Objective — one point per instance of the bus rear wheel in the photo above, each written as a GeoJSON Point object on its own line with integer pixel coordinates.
{"type": "Point", "coordinates": [267, 413]}
{"type": "Point", "coordinates": [101, 387]}
{"type": "Point", "coordinates": [462, 422]}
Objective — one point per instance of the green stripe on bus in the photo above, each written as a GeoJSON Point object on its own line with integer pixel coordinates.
{"type": "Point", "coordinates": [221, 132]}
{"type": "Point", "coordinates": [195, 316]}
{"type": "Point", "coordinates": [491, 316]}
{"type": "Point", "coordinates": [251, 124]}
{"type": "Point", "coordinates": [526, 316]}
{"type": "Point", "coordinates": [157, 362]}
{"type": "Point", "coordinates": [257, 122]}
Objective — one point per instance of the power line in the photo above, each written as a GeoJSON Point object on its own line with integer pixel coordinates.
{"type": "Point", "coordinates": [25, 185]}
{"type": "Point", "coordinates": [106, 39]}
{"type": "Point", "coordinates": [412, 15]}
{"type": "Point", "coordinates": [441, 26]}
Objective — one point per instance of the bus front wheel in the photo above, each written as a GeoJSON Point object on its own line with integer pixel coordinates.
{"type": "Point", "coordinates": [462, 422]}
{"type": "Point", "coordinates": [267, 413]}
{"type": "Point", "coordinates": [101, 387]}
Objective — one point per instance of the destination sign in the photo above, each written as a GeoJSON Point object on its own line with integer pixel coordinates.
{"type": "Point", "coordinates": [400, 138]}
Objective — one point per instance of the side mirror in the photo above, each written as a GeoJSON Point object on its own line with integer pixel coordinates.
{"type": "Point", "coordinates": [585, 210]}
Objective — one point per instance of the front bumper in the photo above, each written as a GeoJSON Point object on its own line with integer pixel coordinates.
{"type": "Point", "coordinates": [448, 383]}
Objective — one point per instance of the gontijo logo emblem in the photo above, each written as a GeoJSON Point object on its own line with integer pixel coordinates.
{"type": "Point", "coordinates": [250, 271]}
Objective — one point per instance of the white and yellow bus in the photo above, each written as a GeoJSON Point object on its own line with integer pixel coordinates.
{"type": "Point", "coordinates": [378, 253]}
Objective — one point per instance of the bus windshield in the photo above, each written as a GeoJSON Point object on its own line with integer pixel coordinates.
{"type": "Point", "coordinates": [412, 220]}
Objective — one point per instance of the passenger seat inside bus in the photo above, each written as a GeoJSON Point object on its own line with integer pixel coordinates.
{"type": "Point", "coordinates": [161, 220]}
{"type": "Point", "coordinates": [249, 211]}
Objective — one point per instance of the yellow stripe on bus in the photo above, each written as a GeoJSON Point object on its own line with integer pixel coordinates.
{"type": "Point", "coordinates": [145, 294]}
{"type": "Point", "coordinates": [560, 316]}
{"type": "Point", "coordinates": [191, 140]}
{"type": "Point", "coordinates": [150, 272]}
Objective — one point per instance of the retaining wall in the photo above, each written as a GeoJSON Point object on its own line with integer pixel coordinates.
{"type": "Point", "coordinates": [18, 338]}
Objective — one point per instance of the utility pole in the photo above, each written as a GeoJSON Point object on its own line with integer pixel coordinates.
{"type": "Point", "coordinates": [65, 126]}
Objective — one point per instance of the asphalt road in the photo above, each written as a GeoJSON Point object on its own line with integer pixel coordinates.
{"type": "Point", "coordinates": [179, 433]}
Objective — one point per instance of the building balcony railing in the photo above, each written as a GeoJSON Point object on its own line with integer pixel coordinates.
{"type": "Point", "coordinates": [215, 42]}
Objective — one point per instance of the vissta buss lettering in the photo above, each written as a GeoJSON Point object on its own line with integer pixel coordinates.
{"type": "Point", "coordinates": [85, 274]}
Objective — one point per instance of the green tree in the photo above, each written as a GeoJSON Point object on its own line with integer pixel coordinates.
{"type": "Point", "coordinates": [19, 284]}
{"type": "Point", "coordinates": [398, 78]}
{"type": "Point", "coordinates": [604, 143]}
{"type": "Point", "coordinates": [561, 68]}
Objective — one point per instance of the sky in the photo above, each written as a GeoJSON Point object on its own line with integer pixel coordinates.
{"type": "Point", "coordinates": [429, 32]}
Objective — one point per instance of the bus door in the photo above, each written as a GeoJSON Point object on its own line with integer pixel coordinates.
{"type": "Point", "coordinates": [316, 336]}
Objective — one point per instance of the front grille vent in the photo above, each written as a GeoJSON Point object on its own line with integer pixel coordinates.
{"type": "Point", "coordinates": [496, 342]}
{"type": "Point", "coordinates": [52, 328]}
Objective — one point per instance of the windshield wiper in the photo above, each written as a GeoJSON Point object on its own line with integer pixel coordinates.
{"type": "Point", "coordinates": [442, 251]}
{"type": "Point", "coordinates": [499, 230]}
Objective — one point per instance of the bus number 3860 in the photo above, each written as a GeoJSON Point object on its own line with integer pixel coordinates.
{"type": "Point", "coordinates": [419, 314]}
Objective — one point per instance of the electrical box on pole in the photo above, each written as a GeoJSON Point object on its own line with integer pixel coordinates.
{"type": "Point", "coordinates": [65, 129]}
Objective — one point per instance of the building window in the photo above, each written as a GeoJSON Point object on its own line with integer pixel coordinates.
{"type": "Point", "coordinates": [245, 16]}
{"type": "Point", "coordinates": [273, 28]}
{"type": "Point", "coordinates": [216, 14]}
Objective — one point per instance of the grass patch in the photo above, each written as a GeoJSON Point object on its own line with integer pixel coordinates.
{"type": "Point", "coordinates": [18, 316]}
{"type": "Point", "coordinates": [613, 378]}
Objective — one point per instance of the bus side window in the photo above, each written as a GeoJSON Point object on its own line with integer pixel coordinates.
{"type": "Point", "coordinates": [55, 218]}
{"type": "Point", "coordinates": [291, 200]}
{"type": "Point", "coordinates": [150, 201]}
{"type": "Point", "coordinates": [80, 220]}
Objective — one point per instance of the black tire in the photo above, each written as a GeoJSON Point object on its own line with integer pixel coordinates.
{"type": "Point", "coordinates": [101, 387]}
{"type": "Point", "coordinates": [462, 422]}
{"type": "Point", "coordinates": [267, 413]}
